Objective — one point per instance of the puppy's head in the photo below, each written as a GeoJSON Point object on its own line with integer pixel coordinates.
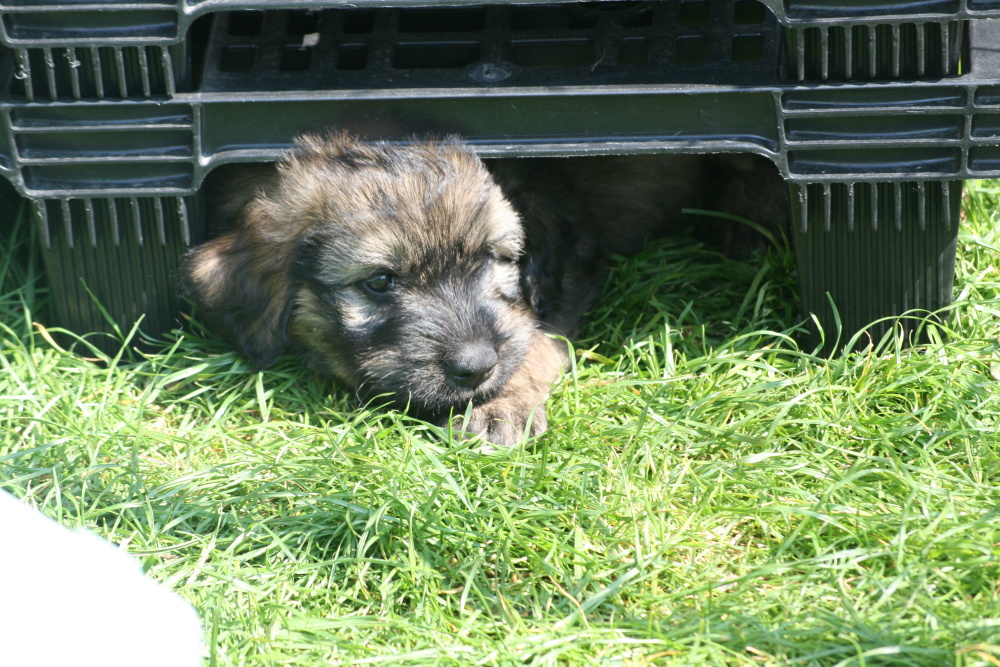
{"type": "Point", "coordinates": [392, 268]}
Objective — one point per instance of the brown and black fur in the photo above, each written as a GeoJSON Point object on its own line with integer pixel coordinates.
{"type": "Point", "coordinates": [418, 276]}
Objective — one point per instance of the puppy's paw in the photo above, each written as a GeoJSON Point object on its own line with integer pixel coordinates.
{"type": "Point", "coordinates": [505, 420]}
{"type": "Point", "coordinates": [734, 239]}
{"type": "Point", "coordinates": [519, 409]}
{"type": "Point", "coordinates": [753, 198]}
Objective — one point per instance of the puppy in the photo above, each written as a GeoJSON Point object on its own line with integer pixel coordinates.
{"type": "Point", "coordinates": [421, 278]}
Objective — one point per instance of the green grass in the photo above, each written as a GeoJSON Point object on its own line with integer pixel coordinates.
{"type": "Point", "coordinates": [710, 493]}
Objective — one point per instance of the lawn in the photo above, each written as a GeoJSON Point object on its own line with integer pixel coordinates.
{"type": "Point", "coordinates": [710, 492]}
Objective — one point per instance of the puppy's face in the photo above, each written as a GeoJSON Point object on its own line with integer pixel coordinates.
{"type": "Point", "coordinates": [392, 268]}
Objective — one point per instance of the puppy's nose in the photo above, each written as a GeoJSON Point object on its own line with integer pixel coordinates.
{"type": "Point", "coordinates": [471, 364]}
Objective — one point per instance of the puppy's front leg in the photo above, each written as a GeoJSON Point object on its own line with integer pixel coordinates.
{"type": "Point", "coordinates": [503, 419]}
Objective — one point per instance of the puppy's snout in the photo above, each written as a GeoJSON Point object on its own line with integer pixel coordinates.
{"type": "Point", "coordinates": [471, 364]}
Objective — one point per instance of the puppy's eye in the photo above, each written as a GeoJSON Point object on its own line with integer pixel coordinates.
{"type": "Point", "coordinates": [379, 283]}
{"type": "Point", "coordinates": [501, 257]}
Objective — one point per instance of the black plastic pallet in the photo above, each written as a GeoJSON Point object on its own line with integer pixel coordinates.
{"type": "Point", "coordinates": [873, 113]}
{"type": "Point", "coordinates": [611, 83]}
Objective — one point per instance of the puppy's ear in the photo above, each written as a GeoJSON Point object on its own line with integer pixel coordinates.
{"type": "Point", "coordinates": [539, 268]}
{"type": "Point", "coordinates": [243, 286]}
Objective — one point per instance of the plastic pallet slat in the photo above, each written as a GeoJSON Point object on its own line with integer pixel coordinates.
{"type": "Point", "coordinates": [28, 23]}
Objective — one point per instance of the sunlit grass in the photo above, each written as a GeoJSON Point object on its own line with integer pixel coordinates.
{"type": "Point", "coordinates": [709, 492]}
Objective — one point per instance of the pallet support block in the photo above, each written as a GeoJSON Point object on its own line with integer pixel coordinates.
{"type": "Point", "coordinates": [115, 258]}
{"type": "Point", "coordinates": [874, 256]}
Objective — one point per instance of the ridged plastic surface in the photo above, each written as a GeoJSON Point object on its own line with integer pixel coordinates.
{"type": "Point", "coordinates": [51, 74]}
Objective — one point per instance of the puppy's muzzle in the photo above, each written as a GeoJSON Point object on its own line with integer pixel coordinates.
{"type": "Point", "coordinates": [471, 364]}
